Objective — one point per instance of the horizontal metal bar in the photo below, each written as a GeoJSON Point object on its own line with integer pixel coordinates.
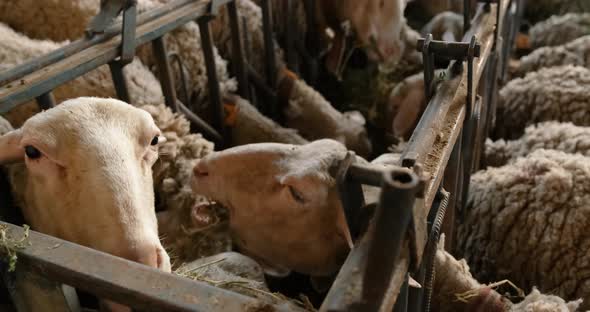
{"type": "Point", "coordinates": [366, 174]}
{"type": "Point", "coordinates": [88, 59]}
{"type": "Point", "coordinates": [455, 50]}
{"type": "Point", "coordinates": [81, 44]}
{"type": "Point", "coordinates": [123, 281]}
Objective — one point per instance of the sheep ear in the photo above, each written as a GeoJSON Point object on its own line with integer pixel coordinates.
{"type": "Point", "coordinates": [10, 150]}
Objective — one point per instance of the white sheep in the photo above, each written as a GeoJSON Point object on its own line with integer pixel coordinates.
{"type": "Point", "coordinates": [455, 290]}
{"type": "Point", "coordinates": [185, 41]}
{"type": "Point", "coordinates": [77, 176]}
{"type": "Point", "coordinates": [576, 52]}
{"type": "Point", "coordinates": [554, 93]}
{"type": "Point", "coordinates": [560, 29]}
{"type": "Point", "coordinates": [565, 137]}
{"type": "Point", "coordinates": [42, 21]}
{"type": "Point", "coordinates": [544, 9]}
{"type": "Point", "coordinates": [527, 222]}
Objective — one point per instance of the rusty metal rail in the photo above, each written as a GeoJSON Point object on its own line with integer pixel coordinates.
{"type": "Point", "coordinates": [455, 118]}
{"type": "Point", "coordinates": [121, 280]}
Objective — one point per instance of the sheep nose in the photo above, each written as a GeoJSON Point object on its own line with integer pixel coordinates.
{"type": "Point", "coordinates": [152, 255]}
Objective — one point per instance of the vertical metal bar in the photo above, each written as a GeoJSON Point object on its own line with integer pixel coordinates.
{"type": "Point", "coordinates": [271, 62]}
{"type": "Point", "coordinates": [291, 35]}
{"type": "Point", "coordinates": [238, 51]}
{"type": "Point", "coordinates": [248, 55]}
{"type": "Point", "coordinates": [466, 15]}
{"type": "Point", "coordinates": [46, 101]}
{"type": "Point", "coordinates": [311, 42]}
{"type": "Point", "coordinates": [401, 304]}
{"type": "Point", "coordinates": [128, 33]}
{"type": "Point", "coordinates": [452, 184]}
{"type": "Point", "coordinates": [213, 82]}
{"type": "Point", "coordinates": [119, 81]}
{"type": "Point", "coordinates": [391, 220]}
{"type": "Point", "coordinates": [165, 72]}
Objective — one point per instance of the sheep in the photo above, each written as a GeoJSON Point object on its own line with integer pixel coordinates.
{"type": "Point", "coordinates": [83, 169]}
{"type": "Point", "coordinates": [15, 48]}
{"type": "Point", "coordinates": [307, 110]}
{"type": "Point", "coordinates": [186, 40]}
{"type": "Point", "coordinates": [554, 93]}
{"type": "Point", "coordinates": [42, 21]}
{"type": "Point", "coordinates": [544, 9]}
{"type": "Point", "coordinates": [559, 30]}
{"type": "Point", "coordinates": [576, 52]}
{"type": "Point", "coordinates": [526, 222]}
{"type": "Point", "coordinates": [281, 179]}
{"type": "Point", "coordinates": [564, 137]}
{"type": "Point", "coordinates": [377, 26]}
{"type": "Point", "coordinates": [447, 26]}
{"type": "Point", "coordinates": [456, 290]}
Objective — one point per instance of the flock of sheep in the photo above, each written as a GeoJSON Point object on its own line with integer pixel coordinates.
{"type": "Point", "coordinates": [94, 170]}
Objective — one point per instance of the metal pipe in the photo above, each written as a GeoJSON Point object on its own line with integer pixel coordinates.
{"type": "Point", "coordinates": [200, 124]}
{"type": "Point", "coordinates": [449, 50]}
{"type": "Point", "coordinates": [392, 218]}
{"type": "Point", "coordinates": [119, 81]}
{"type": "Point", "coordinates": [213, 82]}
{"type": "Point", "coordinates": [366, 174]}
{"type": "Point", "coordinates": [46, 101]}
{"type": "Point", "coordinates": [269, 51]}
{"type": "Point", "coordinates": [239, 63]}
{"type": "Point", "coordinates": [165, 72]}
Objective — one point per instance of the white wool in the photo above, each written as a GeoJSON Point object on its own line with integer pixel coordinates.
{"type": "Point", "coordinates": [554, 93]}
{"type": "Point", "coordinates": [560, 29]}
{"type": "Point", "coordinates": [576, 52]}
{"type": "Point", "coordinates": [527, 222]}
{"type": "Point", "coordinates": [565, 137]}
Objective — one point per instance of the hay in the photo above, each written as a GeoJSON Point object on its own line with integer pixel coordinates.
{"type": "Point", "coordinates": [11, 245]}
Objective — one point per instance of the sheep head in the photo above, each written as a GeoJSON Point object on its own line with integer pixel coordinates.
{"type": "Point", "coordinates": [283, 201]}
{"type": "Point", "coordinates": [376, 24]}
{"type": "Point", "coordinates": [87, 176]}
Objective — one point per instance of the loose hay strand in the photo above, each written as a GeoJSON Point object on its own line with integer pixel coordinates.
{"type": "Point", "coordinates": [465, 296]}
{"type": "Point", "coordinates": [10, 245]}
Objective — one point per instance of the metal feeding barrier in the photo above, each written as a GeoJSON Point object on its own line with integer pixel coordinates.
{"type": "Point", "coordinates": [418, 200]}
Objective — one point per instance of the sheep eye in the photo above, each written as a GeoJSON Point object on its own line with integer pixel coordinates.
{"type": "Point", "coordinates": [155, 140]}
{"type": "Point", "coordinates": [296, 195]}
{"type": "Point", "coordinates": [32, 152]}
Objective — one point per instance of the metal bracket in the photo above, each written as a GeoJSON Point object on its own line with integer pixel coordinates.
{"type": "Point", "coordinates": [109, 10]}
{"type": "Point", "coordinates": [433, 49]}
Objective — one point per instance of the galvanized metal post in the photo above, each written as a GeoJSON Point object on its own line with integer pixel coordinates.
{"type": "Point", "coordinates": [119, 81]}
{"type": "Point", "coordinates": [165, 72]}
{"type": "Point", "coordinates": [238, 57]}
{"type": "Point", "coordinates": [392, 218]}
{"type": "Point", "coordinates": [271, 108]}
{"type": "Point", "coordinates": [46, 101]}
{"type": "Point", "coordinates": [212, 81]}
